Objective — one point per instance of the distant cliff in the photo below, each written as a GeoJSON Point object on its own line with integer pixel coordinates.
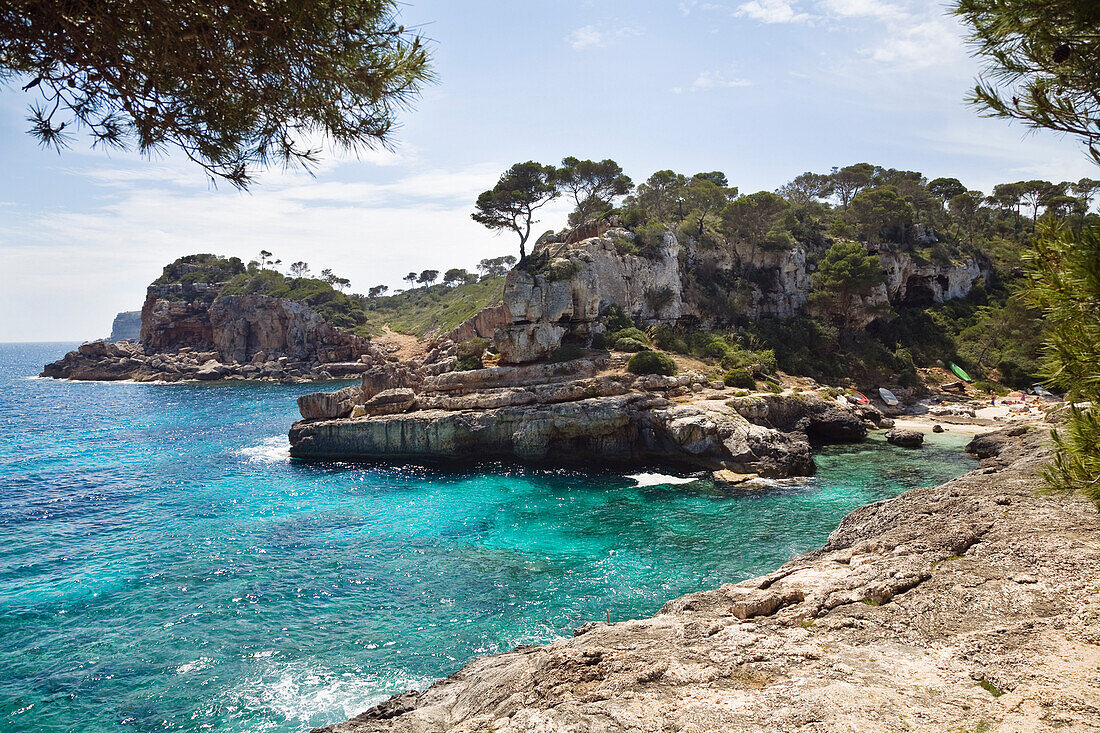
{"type": "Point", "coordinates": [190, 329]}
{"type": "Point", "coordinates": [126, 326]}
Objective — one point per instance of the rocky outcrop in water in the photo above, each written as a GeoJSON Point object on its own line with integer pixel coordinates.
{"type": "Point", "coordinates": [190, 332]}
{"type": "Point", "coordinates": [579, 411]}
{"type": "Point", "coordinates": [968, 606]}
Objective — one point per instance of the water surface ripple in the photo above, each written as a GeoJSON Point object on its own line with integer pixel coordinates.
{"type": "Point", "coordinates": [164, 566]}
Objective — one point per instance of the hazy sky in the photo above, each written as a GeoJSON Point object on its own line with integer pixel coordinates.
{"type": "Point", "coordinates": [762, 90]}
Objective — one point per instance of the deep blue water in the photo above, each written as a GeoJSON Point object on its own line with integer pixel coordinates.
{"type": "Point", "coordinates": [164, 566]}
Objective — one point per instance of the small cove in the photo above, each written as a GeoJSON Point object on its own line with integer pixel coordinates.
{"type": "Point", "coordinates": [164, 565]}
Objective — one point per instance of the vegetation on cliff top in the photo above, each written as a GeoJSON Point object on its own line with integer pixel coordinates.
{"type": "Point", "coordinates": [419, 311]}
{"type": "Point", "coordinates": [430, 310]}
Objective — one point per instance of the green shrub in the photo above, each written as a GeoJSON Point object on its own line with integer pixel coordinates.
{"type": "Point", "coordinates": [470, 353]}
{"type": "Point", "coordinates": [628, 333]}
{"type": "Point", "coordinates": [760, 360]}
{"type": "Point", "coordinates": [630, 345]}
{"type": "Point", "coordinates": [666, 339]}
{"type": "Point", "coordinates": [599, 341]}
{"type": "Point", "coordinates": [624, 246]}
{"type": "Point", "coordinates": [739, 378]}
{"type": "Point", "coordinates": [774, 388]}
{"type": "Point", "coordinates": [650, 239]}
{"type": "Point", "coordinates": [984, 385]}
{"type": "Point", "coordinates": [651, 362]}
{"type": "Point", "coordinates": [562, 269]}
{"type": "Point", "coordinates": [716, 349]}
{"type": "Point", "coordinates": [566, 352]}
{"type": "Point", "coordinates": [616, 319]}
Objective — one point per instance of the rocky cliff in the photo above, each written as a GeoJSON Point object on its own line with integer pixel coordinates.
{"type": "Point", "coordinates": [971, 606]}
{"type": "Point", "coordinates": [561, 301]}
{"type": "Point", "coordinates": [190, 331]}
{"type": "Point", "coordinates": [126, 327]}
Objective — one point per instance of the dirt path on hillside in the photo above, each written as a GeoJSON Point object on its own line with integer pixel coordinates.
{"type": "Point", "coordinates": [404, 345]}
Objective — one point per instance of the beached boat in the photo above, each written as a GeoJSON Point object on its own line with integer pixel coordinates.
{"type": "Point", "coordinates": [887, 396]}
{"type": "Point", "coordinates": [959, 372]}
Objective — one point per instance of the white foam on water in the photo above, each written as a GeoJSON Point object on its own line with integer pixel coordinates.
{"type": "Point", "coordinates": [270, 450]}
{"type": "Point", "coordinates": [660, 479]}
{"type": "Point", "coordinates": [312, 695]}
{"type": "Point", "coordinates": [196, 666]}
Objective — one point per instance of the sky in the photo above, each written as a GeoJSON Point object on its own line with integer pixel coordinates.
{"type": "Point", "coordinates": [762, 90]}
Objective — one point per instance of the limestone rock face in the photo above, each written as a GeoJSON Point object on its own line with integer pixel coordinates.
{"type": "Point", "coordinates": [924, 283]}
{"type": "Point", "coordinates": [821, 421]}
{"type": "Point", "coordinates": [482, 324]}
{"type": "Point", "coordinates": [577, 281]}
{"type": "Point", "coordinates": [242, 325]}
{"type": "Point", "coordinates": [614, 429]}
{"type": "Point", "coordinates": [126, 327]}
{"type": "Point", "coordinates": [176, 316]}
{"type": "Point", "coordinates": [327, 405]}
{"type": "Point", "coordinates": [582, 280]}
{"type": "Point", "coordinates": [190, 332]}
{"type": "Point", "coordinates": [390, 402]}
{"type": "Point", "coordinates": [527, 342]}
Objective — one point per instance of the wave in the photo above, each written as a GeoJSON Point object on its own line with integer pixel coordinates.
{"type": "Point", "coordinates": [312, 695]}
{"type": "Point", "coordinates": [275, 449]}
{"type": "Point", "coordinates": [660, 479]}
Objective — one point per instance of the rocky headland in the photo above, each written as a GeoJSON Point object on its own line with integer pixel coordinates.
{"type": "Point", "coordinates": [970, 606]}
{"type": "Point", "coordinates": [551, 398]}
{"type": "Point", "coordinates": [193, 331]}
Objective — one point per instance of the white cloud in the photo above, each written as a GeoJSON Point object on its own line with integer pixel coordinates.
{"type": "Point", "coordinates": [590, 36]}
{"type": "Point", "coordinates": [901, 36]}
{"type": "Point", "coordinates": [771, 11]}
{"type": "Point", "coordinates": [101, 258]}
{"type": "Point", "coordinates": [708, 80]}
{"type": "Point", "coordinates": [586, 36]}
{"type": "Point", "coordinates": [864, 9]}
{"type": "Point", "coordinates": [936, 41]}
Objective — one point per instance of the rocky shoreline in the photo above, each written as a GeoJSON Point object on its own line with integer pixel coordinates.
{"type": "Point", "coordinates": [107, 361]}
{"type": "Point", "coordinates": [568, 413]}
{"type": "Point", "coordinates": [968, 606]}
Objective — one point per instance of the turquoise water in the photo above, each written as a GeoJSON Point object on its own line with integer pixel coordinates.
{"type": "Point", "coordinates": [163, 566]}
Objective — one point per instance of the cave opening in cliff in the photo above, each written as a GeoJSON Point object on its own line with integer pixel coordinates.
{"type": "Point", "coordinates": [251, 342]}
{"type": "Point", "coordinates": [919, 292]}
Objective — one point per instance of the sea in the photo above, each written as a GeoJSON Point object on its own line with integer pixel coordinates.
{"type": "Point", "coordinates": [165, 566]}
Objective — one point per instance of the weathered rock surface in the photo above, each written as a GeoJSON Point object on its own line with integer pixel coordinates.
{"type": "Point", "coordinates": [580, 278]}
{"type": "Point", "coordinates": [820, 421]}
{"type": "Point", "coordinates": [191, 332]}
{"type": "Point", "coordinates": [968, 606]}
{"type": "Point", "coordinates": [536, 425]}
{"type": "Point", "coordinates": [328, 405]}
{"type": "Point", "coordinates": [126, 326]}
{"type": "Point", "coordinates": [987, 445]}
{"type": "Point", "coordinates": [905, 438]}
{"type": "Point", "coordinates": [527, 342]}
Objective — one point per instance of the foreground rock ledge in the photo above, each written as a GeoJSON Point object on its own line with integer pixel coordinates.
{"type": "Point", "coordinates": [969, 606]}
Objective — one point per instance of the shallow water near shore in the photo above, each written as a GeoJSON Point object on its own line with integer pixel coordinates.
{"type": "Point", "coordinates": [165, 566]}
